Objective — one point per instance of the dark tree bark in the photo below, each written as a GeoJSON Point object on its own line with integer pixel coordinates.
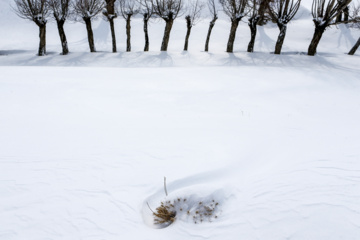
{"type": "Point", "coordinates": [315, 40]}
{"type": "Point", "coordinates": [90, 34]}
{"type": "Point", "coordinates": [281, 37]}
{"type": "Point", "coordinates": [165, 41]}
{"type": "Point", "coordinates": [110, 14]}
{"type": "Point", "coordinates": [42, 36]}
{"type": "Point", "coordinates": [113, 37]}
{"type": "Point", "coordinates": [355, 47]}
{"type": "Point", "coordinates": [128, 33]}
{"type": "Point", "coordinates": [346, 14]}
{"type": "Point", "coordinates": [252, 25]}
{"type": "Point", "coordinates": [211, 25]}
{"type": "Point", "coordinates": [188, 26]}
{"type": "Point", "coordinates": [230, 44]}
{"type": "Point", "coordinates": [64, 44]}
{"type": "Point", "coordinates": [146, 21]}
{"type": "Point", "coordinates": [339, 18]}
{"type": "Point", "coordinates": [263, 18]}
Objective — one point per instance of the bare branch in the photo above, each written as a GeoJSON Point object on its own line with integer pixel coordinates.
{"type": "Point", "coordinates": [167, 9]}
{"type": "Point", "coordinates": [128, 8]}
{"type": "Point", "coordinates": [194, 12]}
{"type": "Point", "coordinates": [235, 9]}
{"type": "Point", "coordinates": [33, 10]}
{"type": "Point", "coordinates": [88, 8]}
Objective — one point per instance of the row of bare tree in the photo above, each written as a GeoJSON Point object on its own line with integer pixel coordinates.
{"type": "Point", "coordinates": [325, 13]}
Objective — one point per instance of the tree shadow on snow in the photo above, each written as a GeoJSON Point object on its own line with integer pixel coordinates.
{"type": "Point", "coordinates": [12, 52]}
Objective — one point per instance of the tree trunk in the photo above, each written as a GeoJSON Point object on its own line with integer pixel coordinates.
{"type": "Point", "coordinates": [42, 36]}
{"type": "Point", "coordinates": [146, 20]}
{"type": "Point", "coordinates": [165, 41]}
{"type": "Point", "coordinates": [281, 37]}
{"type": "Point", "coordinates": [230, 44]}
{"type": "Point", "coordinates": [339, 18]}
{"type": "Point", "coordinates": [128, 33]}
{"type": "Point", "coordinates": [188, 26]}
{"type": "Point", "coordinates": [315, 40]}
{"type": "Point", "coordinates": [212, 24]}
{"type": "Point", "coordinates": [64, 44]}
{"type": "Point", "coordinates": [355, 47]}
{"type": "Point", "coordinates": [90, 34]}
{"type": "Point", "coordinates": [252, 25]}
{"type": "Point", "coordinates": [346, 14]}
{"type": "Point", "coordinates": [113, 37]}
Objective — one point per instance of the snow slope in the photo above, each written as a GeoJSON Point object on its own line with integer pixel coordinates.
{"type": "Point", "coordinates": [86, 139]}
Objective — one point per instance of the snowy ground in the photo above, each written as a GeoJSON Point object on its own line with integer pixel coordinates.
{"type": "Point", "coordinates": [86, 139]}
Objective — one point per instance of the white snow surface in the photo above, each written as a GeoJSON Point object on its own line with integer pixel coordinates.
{"type": "Point", "coordinates": [86, 139]}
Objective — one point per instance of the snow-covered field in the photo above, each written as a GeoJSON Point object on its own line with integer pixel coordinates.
{"type": "Point", "coordinates": [86, 139]}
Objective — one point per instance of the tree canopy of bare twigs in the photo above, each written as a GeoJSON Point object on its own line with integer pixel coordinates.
{"type": "Point", "coordinates": [61, 10]}
{"type": "Point", "coordinates": [192, 17]}
{"type": "Point", "coordinates": [214, 16]}
{"type": "Point", "coordinates": [36, 11]}
{"type": "Point", "coordinates": [235, 9]}
{"type": "Point", "coordinates": [282, 12]}
{"type": "Point", "coordinates": [33, 10]}
{"type": "Point", "coordinates": [324, 12]}
{"type": "Point", "coordinates": [87, 10]}
{"type": "Point", "coordinates": [168, 10]}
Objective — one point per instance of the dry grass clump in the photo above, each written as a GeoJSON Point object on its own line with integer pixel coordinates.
{"type": "Point", "coordinates": [165, 213]}
{"type": "Point", "coordinates": [198, 211]}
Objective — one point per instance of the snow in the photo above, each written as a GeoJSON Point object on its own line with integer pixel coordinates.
{"type": "Point", "coordinates": [86, 139]}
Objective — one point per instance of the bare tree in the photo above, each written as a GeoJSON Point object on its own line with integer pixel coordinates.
{"type": "Point", "coordinates": [110, 14]}
{"type": "Point", "coordinates": [36, 11]}
{"type": "Point", "coordinates": [235, 9]}
{"type": "Point", "coordinates": [146, 9]}
{"type": "Point", "coordinates": [87, 10]}
{"type": "Point", "coordinates": [193, 17]}
{"type": "Point", "coordinates": [128, 8]}
{"type": "Point", "coordinates": [283, 11]}
{"type": "Point", "coordinates": [214, 14]}
{"type": "Point", "coordinates": [61, 10]}
{"type": "Point", "coordinates": [256, 13]}
{"type": "Point", "coordinates": [355, 23]}
{"type": "Point", "coordinates": [323, 15]}
{"type": "Point", "coordinates": [168, 10]}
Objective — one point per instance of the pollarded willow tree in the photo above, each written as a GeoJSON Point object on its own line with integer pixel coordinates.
{"type": "Point", "coordinates": [192, 17]}
{"type": "Point", "coordinates": [36, 11]}
{"type": "Point", "coordinates": [128, 8]}
{"type": "Point", "coordinates": [61, 10]}
{"type": "Point", "coordinates": [256, 13]}
{"type": "Point", "coordinates": [88, 10]}
{"type": "Point", "coordinates": [324, 12]}
{"type": "Point", "coordinates": [146, 10]}
{"type": "Point", "coordinates": [110, 14]}
{"type": "Point", "coordinates": [355, 23]}
{"type": "Point", "coordinates": [168, 10]}
{"type": "Point", "coordinates": [283, 11]}
{"type": "Point", "coordinates": [235, 9]}
{"type": "Point", "coordinates": [214, 16]}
